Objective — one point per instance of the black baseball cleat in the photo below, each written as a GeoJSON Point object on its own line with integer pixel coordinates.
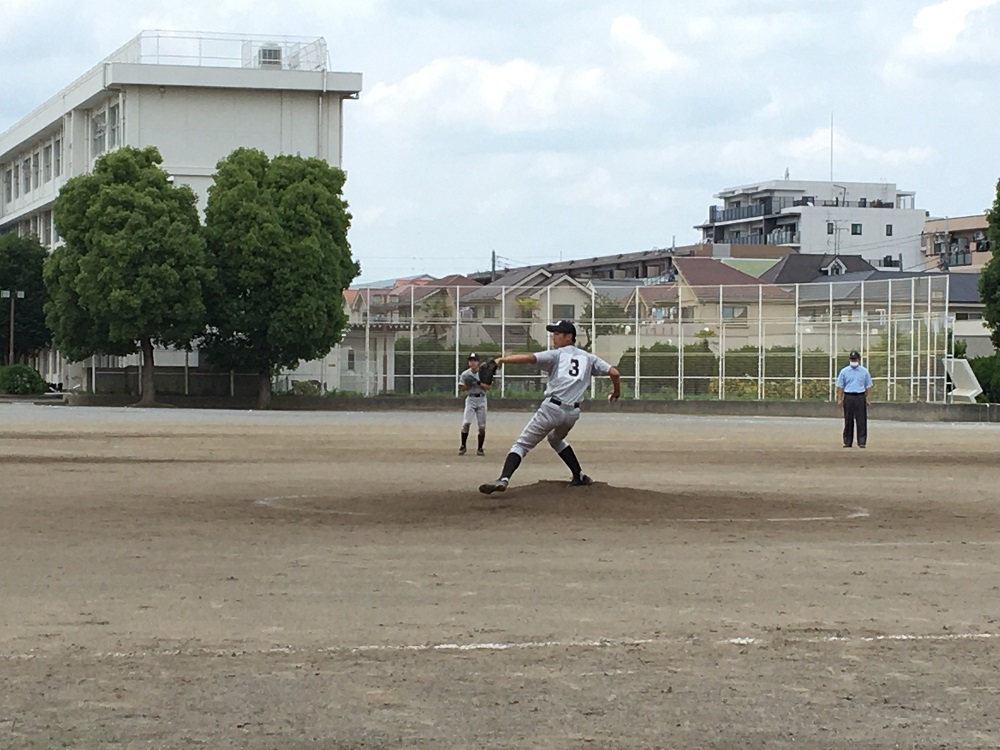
{"type": "Point", "coordinates": [861, 445]}
{"type": "Point", "coordinates": [461, 451]}
{"type": "Point", "coordinates": [582, 481]}
{"type": "Point", "coordinates": [848, 445]}
{"type": "Point", "coordinates": [480, 452]}
{"type": "Point", "coordinates": [500, 485]}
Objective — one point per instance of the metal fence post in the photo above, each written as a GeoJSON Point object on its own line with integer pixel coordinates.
{"type": "Point", "coordinates": [368, 344]}
{"type": "Point", "coordinates": [833, 354]}
{"type": "Point", "coordinates": [503, 337]}
{"type": "Point", "coordinates": [722, 347]}
{"type": "Point", "coordinates": [760, 343]}
{"type": "Point", "coordinates": [458, 334]}
{"type": "Point", "coordinates": [638, 343]}
{"type": "Point", "coordinates": [930, 352]}
{"type": "Point", "coordinates": [798, 389]}
{"type": "Point", "coordinates": [413, 294]}
{"type": "Point", "coordinates": [593, 334]}
{"type": "Point", "coordinates": [680, 342]}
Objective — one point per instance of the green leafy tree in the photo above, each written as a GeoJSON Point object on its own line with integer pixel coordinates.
{"type": "Point", "coordinates": [611, 318]}
{"type": "Point", "coordinates": [132, 272]}
{"type": "Point", "coordinates": [989, 282]}
{"type": "Point", "coordinates": [277, 236]}
{"type": "Point", "coordinates": [21, 261]}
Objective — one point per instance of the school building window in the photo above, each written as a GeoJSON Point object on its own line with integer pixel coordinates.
{"type": "Point", "coordinates": [855, 229]}
{"type": "Point", "coordinates": [829, 227]}
{"type": "Point", "coordinates": [888, 230]}
{"type": "Point", "coordinates": [563, 312]}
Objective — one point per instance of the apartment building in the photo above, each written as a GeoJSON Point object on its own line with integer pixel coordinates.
{"type": "Point", "coordinates": [872, 219]}
{"type": "Point", "coordinates": [196, 97]}
{"type": "Point", "coordinates": [956, 244]}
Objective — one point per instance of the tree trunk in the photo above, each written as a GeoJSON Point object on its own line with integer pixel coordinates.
{"type": "Point", "coordinates": [148, 384]}
{"type": "Point", "coordinates": [264, 390]}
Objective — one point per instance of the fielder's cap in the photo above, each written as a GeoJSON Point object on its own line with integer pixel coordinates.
{"type": "Point", "coordinates": [473, 356]}
{"type": "Point", "coordinates": [855, 355]}
{"type": "Point", "coordinates": [561, 326]}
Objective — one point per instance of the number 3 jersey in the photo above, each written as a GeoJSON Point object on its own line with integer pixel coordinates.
{"type": "Point", "coordinates": [570, 370]}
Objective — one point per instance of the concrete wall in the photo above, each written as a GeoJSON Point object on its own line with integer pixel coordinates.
{"type": "Point", "coordinates": [873, 243]}
{"type": "Point", "coordinates": [981, 413]}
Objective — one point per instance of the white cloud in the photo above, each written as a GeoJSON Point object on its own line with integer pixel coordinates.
{"type": "Point", "coordinates": [808, 157]}
{"type": "Point", "coordinates": [647, 50]}
{"type": "Point", "coordinates": [514, 96]}
{"type": "Point", "coordinates": [816, 147]}
{"type": "Point", "coordinates": [936, 35]}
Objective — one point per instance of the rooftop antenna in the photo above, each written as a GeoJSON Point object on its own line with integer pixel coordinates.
{"type": "Point", "coordinates": [786, 173]}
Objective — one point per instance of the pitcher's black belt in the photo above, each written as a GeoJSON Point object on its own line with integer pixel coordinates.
{"type": "Point", "coordinates": [476, 395]}
{"type": "Point", "coordinates": [557, 402]}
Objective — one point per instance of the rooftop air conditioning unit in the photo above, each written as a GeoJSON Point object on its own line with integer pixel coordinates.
{"type": "Point", "coordinates": [269, 56]}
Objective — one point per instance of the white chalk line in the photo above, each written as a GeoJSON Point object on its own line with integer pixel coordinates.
{"type": "Point", "coordinates": [942, 637]}
{"type": "Point", "coordinates": [854, 514]}
{"type": "Point", "coordinates": [278, 503]}
{"type": "Point", "coordinates": [500, 646]}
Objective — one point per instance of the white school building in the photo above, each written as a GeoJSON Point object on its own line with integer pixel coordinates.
{"type": "Point", "coordinates": [196, 97]}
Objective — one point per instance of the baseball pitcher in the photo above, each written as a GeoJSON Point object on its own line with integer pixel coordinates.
{"type": "Point", "coordinates": [475, 404]}
{"type": "Point", "coordinates": [569, 372]}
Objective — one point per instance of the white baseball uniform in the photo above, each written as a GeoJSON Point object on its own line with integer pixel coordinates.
{"type": "Point", "coordinates": [475, 402]}
{"type": "Point", "coordinates": [569, 372]}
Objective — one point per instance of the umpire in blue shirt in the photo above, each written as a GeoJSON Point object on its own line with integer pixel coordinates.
{"type": "Point", "coordinates": [854, 393]}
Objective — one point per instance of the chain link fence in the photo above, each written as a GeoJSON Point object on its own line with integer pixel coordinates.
{"type": "Point", "coordinates": [669, 340]}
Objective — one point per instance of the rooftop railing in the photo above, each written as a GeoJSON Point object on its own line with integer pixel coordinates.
{"type": "Point", "coordinates": [224, 50]}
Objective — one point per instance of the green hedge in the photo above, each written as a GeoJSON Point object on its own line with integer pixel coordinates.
{"type": "Point", "coordinates": [21, 380]}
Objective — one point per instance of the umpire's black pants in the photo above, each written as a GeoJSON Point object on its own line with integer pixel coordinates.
{"type": "Point", "coordinates": [855, 410]}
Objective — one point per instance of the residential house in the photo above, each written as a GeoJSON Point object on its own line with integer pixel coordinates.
{"type": "Point", "coordinates": [514, 310]}
{"type": "Point", "coordinates": [797, 268]}
{"type": "Point", "coordinates": [642, 266]}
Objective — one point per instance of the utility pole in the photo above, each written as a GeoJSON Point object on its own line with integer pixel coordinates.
{"type": "Point", "coordinates": [493, 266]}
{"type": "Point", "coordinates": [13, 294]}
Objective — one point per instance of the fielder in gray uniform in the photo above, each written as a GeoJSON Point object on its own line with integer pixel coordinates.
{"type": "Point", "coordinates": [475, 404]}
{"type": "Point", "coordinates": [569, 370]}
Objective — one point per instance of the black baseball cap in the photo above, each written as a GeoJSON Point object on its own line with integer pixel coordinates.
{"type": "Point", "coordinates": [561, 326]}
{"type": "Point", "coordinates": [855, 355]}
{"type": "Point", "coordinates": [473, 356]}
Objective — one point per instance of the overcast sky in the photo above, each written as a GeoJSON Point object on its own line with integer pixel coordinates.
{"type": "Point", "coordinates": [548, 129]}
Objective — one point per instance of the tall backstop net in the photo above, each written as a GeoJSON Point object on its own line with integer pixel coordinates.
{"type": "Point", "coordinates": [669, 340]}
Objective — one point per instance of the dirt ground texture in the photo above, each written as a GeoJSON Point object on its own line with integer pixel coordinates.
{"type": "Point", "coordinates": [178, 579]}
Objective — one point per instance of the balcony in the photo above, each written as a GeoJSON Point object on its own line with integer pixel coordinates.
{"type": "Point", "coordinates": [784, 237]}
{"type": "Point", "coordinates": [717, 214]}
{"type": "Point", "coordinates": [747, 239]}
{"type": "Point", "coordinates": [787, 237]}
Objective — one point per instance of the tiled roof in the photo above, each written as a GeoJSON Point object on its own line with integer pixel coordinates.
{"type": "Point", "coordinates": [706, 275]}
{"type": "Point", "coordinates": [802, 268]}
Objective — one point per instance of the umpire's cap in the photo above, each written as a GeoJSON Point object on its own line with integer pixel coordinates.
{"type": "Point", "coordinates": [855, 355]}
{"type": "Point", "coordinates": [474, 356]}
{"type": "Point", "coordinates": [561, 326]}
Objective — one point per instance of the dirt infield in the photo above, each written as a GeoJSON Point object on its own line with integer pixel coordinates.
{"type": "Point", "coordinates": [177, 578]}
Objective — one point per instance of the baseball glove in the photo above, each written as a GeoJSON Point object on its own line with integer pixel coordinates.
{"type": "Point", "coordinates": [470, 380]}
{"type": "Point", "coordinates": [487, 371]}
